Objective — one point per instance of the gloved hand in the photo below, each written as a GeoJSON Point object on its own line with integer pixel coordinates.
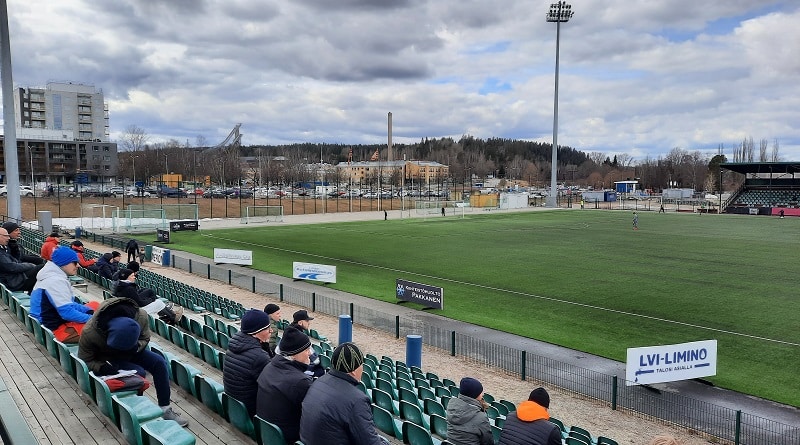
{"type": "Point", "coordinates": [108, 369]}
{"type": "Point", "coordinates": [90, 312]}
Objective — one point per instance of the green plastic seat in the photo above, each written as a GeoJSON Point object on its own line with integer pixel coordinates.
{"type": "Point", "coordinates": [176, 337]}
{"type": "Point", "coordinates": [209, 392]}
{"type": "Point", "coordinates": [439, 425]}
{"type": "Point", "coordinates": [434, 407]}
{"type": "Point", "coordinates": [417, 435]}
{"type": "Point", "coordinates": [82, 375]}
{"type": "Point", "coordinates": [38, 333]}
{"type": "Point", "coordinates": [238, 415]}
{"type": "Point", "coordinates": [413, 413]}
{"type": "Point", "coordinates": [102, 397]}
{"type": "Point", "coordinates": [132, 412]}
{"type": "Point", "coordinates": [386, 422]}
{"type": "Point", "coordinates": [183, 374]}
{"type": "Point", "coordinates": [166, 432]}
{"type": "Point", "coordinates": [268, 433]}
{"type": "Point", "coordinates": [601, 440]}
{"type": "Point", "coordinates": [209, 354]}
{"type": "Point", "coordinates": [192, 346]}
{"type": "Point", "coordinates": [385, 401]}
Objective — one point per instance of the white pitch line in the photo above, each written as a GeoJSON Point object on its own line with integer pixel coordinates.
{"type": "Point", "coordinates": [513, 292]}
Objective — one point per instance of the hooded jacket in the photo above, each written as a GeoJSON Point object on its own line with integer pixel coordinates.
{"type": "Point", "coordinates": [52, 300]}
{"type": "Point", "coordinates": [49, 245]}
{"type": "Point", "coordinates": [82, 258]}
{"type": "Point", "coordinates": [467, 423]}
{"type": "Point", "coordinates": [12, 272]}
{"type": "Point", "coordinates": [105, 268]}
{"type": "Point", "coordinates": [244, 362]}
{"type": "Point", "coordinates": [282, 386]}
{"type": "Point", "coordinates": [529, 425]}
{"type": "Point", "coordinates": [92, 346]}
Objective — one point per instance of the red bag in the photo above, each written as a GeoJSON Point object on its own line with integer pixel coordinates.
{"type": "Point", "coordinates": [128, 383]}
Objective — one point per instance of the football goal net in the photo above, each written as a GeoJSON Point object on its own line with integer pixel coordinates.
{"type": "Point", "coordinates": [134, 220]}
{"type": "Point", "coordinates": [259, 214]}
{"type": "Point", "coordinates": [96, 216]}
{"type": "Point", "coordinates": [445, 208]}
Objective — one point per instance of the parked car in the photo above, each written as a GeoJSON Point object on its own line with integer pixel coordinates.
{"type": "Point", "coordinates": [171, 192]}
{"type": "Point", "coordinates": [133, 192]}
{"type": "Point", "coordinates": [24, 190]}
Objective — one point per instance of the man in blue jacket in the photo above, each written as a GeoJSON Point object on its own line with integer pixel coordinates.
{"type": "Point", "coordinates": [53, 302]}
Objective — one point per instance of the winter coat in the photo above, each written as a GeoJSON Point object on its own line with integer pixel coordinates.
{"type": "Point", "coordinates": [105, 268]}
{"type": "Point", "coordinates": [17, 251]}
{"type": "Point", "coordinates": [12, 272]}
{"type": "Point", "coordinates": [132, 246]}
{"type": "Point", "coordinates": [529, 425]}
{"type": "Point", "coordinates": [282, 386]}
{"type": "Point", "coordinates": [244, 362]}
{"type": "Point", "coordinates": [82, 258]}
{"type": "Point", "coordinates": [467, 423]}
{"type": "Point", "coordinates": [49, 245]}
{"type": "Point", "coordinates": [52, 300]}
{"type": "Point", "coordinates": [92, 346]}
{"type": "Point", "coordinates": [336, 412]}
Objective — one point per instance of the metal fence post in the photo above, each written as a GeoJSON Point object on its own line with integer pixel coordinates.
{"type": "Point", "coordinates": [313, 302]}
{"type": "Point", "coordinates": [396, 326]}
{"type": "Point", "coordinates": [190, 265]}
{"type": "Point", "coordinates": [208, 271]}
{"type": "Point", "coordinates": [523, 365]}
{"type": "Point", "coordinates": [352, 308]}
{"type": "Point", "coordinates": [254, 284]}
{"type": "Point", "coordinates": [614, 388]}
{"type": "Point", "coordinates": [281, 295]}
{"type": "Point", "coordinates": [453, 343]}
{"type": "Point", "coordinates": [230, 276]}
{"type": "Point", "coordinates": [738, 432]}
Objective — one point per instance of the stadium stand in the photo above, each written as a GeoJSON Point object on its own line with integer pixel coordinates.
{"type": "Point", "coordinates": [768, 188]}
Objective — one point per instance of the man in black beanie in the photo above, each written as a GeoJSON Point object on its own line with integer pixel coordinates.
{"type": "Point", "coordinates": [529, 424]}
{"type": "Point", "coordinates": [335, 411]}
{"type": "Point", "coordinates": [467, 422]}
{"type": "Point", "coordinates": [15, 249]}
{"type": "Point", "coordinates": [283, 384]}
{"type": "Point", "coordinates": [274, 312]}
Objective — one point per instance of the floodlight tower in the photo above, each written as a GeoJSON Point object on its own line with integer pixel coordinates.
{"type": "Point", "coordinates": [560, 12]}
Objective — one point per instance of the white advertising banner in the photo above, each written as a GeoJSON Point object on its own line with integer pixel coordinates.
{"type": "Point", "coordinates": [160, 256]}
{"type": "Point", "coordinates": [315, 272]}
{"type": "Point", "coordinates": [231, 256]}
{"type": "Point", "coordinates": [669, 363]}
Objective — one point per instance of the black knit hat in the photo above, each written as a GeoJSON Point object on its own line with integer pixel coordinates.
{"type": "Point", "coordinates": [10, 226]}
{"type": "Point", "coordinates": [293, 342]}
{"type": "Point", "coordinates": [115, 254]}
{"type": "Point", "coordinates": [470, 387]}
{"type": "Point", "coordinates": [77, 243]}
{"type": "Point", "coordinates": [540, 396]}
{"type": "Point", "coordinates": [271, 308]}
{"type": "Point", "coordinates": [346, 357]}
{"type": "Point", "coordinates": [124, 274]}
{"type": "Point", "coordinates": [134, 266]}
{"type": "Point", "coordinates": [254, 321]}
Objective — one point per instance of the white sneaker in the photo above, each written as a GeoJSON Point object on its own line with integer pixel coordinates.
{"type": "Point", "coordinates": [170, 414]}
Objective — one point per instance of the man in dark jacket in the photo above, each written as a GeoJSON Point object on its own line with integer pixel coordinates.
{"type": "Point", "coordinates": [108, 264]}
{"type": "Point", "coordinates": [283, 384]}
{"type": "Point", "coordinates": [530, 424]}
{"type": "Point", "coordinates": [467, 423]}
{"type": "Point", "coordinates": [245, 359]}
{"type": "Point", "coordinates": [116, 338]}
{"type": "Point", "coordinates": [15, 275]}
{"type": "Point", "coordinates": [132, 249]}
{"type": "Point", "coordinates": [147, 299]}
{"type": "Point", "coordinates": [15, 249]}
{"type": "Point", "coordinates": [335, 411]}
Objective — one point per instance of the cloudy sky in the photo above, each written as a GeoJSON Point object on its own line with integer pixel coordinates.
{"type": "Point", "coordinates": [639, 77]}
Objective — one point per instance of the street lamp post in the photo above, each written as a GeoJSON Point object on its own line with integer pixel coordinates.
{"type": "Point", "coordinates": [560, 12]}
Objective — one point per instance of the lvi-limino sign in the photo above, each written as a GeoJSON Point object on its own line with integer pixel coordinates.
{"type": "Point", "coordinates": [670, 363]}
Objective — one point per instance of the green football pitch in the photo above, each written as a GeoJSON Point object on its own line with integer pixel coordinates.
{"type": "Point", "coordinates": [581, 279]}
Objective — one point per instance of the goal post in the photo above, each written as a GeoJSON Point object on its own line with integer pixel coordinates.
{"type": "Point", "coordinates": [428, 208]}
{"type": "Point", "coordinates": [258, 214]}
{"type": "Point", "coordinates": [133, 220]}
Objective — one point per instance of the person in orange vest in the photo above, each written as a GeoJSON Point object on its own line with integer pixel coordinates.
{"type": "Point", "coordinates": [50, 244]}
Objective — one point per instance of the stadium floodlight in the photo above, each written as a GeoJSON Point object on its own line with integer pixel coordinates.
{"type": "Point", "coordinates": [560, 12]}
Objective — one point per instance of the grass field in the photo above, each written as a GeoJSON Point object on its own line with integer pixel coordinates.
{"type": "Point", "coordinates": [581, 279]}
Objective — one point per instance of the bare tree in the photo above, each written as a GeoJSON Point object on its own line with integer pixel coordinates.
{"type": "Point", "coordinates": [134, 138]}
{"type": "Point", "coordinates": [762, 150]}
{"type": "Point", "coordinates": [597, 157]}
{"type": "Point", "coordinates": [776, 149]}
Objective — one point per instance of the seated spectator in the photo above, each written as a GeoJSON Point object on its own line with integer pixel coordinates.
{"type": "Point", "coordinates": [116, 338]}
{"type": "Point", "coordinates": [335, 411]}
{"type": "Point", "coordinates": [108, 264]}
{"type": "Point", "coordinates": [246, 358]}
{"type": "Point", "coordinates": [274, 312]}
{"type": "Point", "coordinates": [530, 424]}
{"type": "Point", "coordinates": [283, 384]}
{"type": "Point", "coordinates": [49, 245]}
{"type": "Point", "coordinates": [302, 321]}
{"type": "Point", "coordinates": [146, 298]}
{"type": "Point", "coordinates": [16, 276]}
{"type": "Point", "coordinates": [467, 423]}
{"type": "Point", "coordinates": [53, 302]}
{"type": "Point", "coordinates": [15, 249]}
{"type": "Point", "coordinates": [90, 264]}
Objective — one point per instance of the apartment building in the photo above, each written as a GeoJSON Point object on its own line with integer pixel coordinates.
{"type": "Point", "coordinates": [424, 171]}
{"type": "Point", "coordinates": [66, 106]}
